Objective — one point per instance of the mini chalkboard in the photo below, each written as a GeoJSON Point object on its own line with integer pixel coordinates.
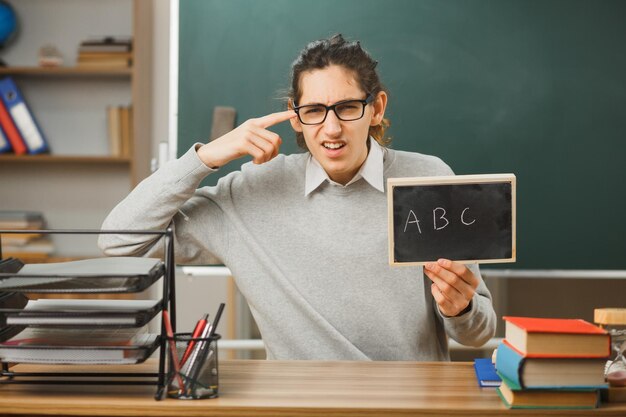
{"type": "Point", "coordinates": [465, 218]}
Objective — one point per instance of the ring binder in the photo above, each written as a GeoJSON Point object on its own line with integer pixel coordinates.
{"type": "Point", "coordinates": [26, 124]}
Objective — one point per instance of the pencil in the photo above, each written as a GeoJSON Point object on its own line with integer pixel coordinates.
{"type": "Point", "coordinates": [172, 343]}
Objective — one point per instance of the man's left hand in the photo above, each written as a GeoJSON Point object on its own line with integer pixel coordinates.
{"type": "Point", "coordinates": [453, 285]}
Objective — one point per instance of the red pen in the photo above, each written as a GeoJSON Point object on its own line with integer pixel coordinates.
{"type": "Point", "coordinates": [197, 332]}
{"type": "Point", "coordinates": [172, 343]}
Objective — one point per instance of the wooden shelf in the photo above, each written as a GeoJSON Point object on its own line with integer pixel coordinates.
{"type": "Point", "coordinates": [66, 71]}
{"type": "Point", "coordinates": [57, 159]}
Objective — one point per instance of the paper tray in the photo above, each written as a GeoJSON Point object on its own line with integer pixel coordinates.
{"type": "Point", "coordinates": [98, 275]}
{"type": "Point", "coordinates": [82, 313]}
{"type": "Point", "coordinates": [81, 355]}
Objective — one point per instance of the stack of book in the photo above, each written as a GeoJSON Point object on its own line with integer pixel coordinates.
{"type": "Point", "coordinates": [107, 52]}
{"type": "Point", "coordinates": [551, 363]}
{"type": "Point", "coordinates": [27, 244]}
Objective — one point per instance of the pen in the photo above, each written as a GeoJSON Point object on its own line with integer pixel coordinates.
{"type": "Point", "coordinates": [218, 315]}
{"type": "Point", "coordinates": [193, 365]}
{"type": "Point", "coordinates": [172, 343]}
{"type": "Point", "coordinates": [196, 333]}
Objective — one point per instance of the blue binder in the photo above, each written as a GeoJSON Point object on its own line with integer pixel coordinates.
{"type": "Point", "coordinates": [22, 117]}
{"type": "Point", "coordinates": [5, 145]}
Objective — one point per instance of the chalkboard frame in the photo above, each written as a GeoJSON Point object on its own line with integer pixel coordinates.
{"type": "Point", "coordinates": [451, 180]}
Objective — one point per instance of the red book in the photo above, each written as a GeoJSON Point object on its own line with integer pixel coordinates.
{"type": "Point", "coordinates": [554, 338]}
{"type": "Point", "coordinates": [11, 132]}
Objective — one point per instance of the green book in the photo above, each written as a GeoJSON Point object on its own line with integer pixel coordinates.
{"type": "Point", "coordinates": [513, 396]}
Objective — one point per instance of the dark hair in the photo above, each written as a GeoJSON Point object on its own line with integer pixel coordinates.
{"type": "Point", "coordinates": [337, 51]}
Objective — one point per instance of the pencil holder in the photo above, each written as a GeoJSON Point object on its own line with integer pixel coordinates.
{"type": "Point", "coordinates": [194, 373]}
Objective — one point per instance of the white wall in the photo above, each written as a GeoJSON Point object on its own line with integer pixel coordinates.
{"type": "Point", "coordinates": [72, 113]}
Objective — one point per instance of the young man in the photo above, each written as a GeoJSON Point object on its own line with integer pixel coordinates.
{"type": "Point", "coordinates": [305, 235]}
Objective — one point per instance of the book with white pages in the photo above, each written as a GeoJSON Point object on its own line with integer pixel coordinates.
{"type": "Point", "coordinates": [83, 312]}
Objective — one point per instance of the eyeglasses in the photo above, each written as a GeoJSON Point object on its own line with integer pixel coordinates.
{"type": "Point", "coordinates": [347, 110]}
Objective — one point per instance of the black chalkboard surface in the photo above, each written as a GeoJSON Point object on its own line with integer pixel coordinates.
{"type": "Point", "coordinates": [537, 88]}
{"type": "Point", "coordinates": [466, 218]}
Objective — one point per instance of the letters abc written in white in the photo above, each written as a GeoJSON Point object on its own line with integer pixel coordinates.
{"type": "Point", "coordinates": [440, 221]}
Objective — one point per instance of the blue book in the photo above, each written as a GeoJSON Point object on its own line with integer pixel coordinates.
{"type": "Point", "coordinates": [22, 117]}
{"type": "Point", "coordinates": [486, 373]}
{"type": "Point", "coordinates": [556, 373]}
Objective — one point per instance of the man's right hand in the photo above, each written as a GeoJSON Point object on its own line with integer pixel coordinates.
{"type": "Point", "coordinates": [250, 138]}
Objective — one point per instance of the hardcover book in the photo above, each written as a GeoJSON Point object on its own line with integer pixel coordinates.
{"type": "Point", "coordinates": [549, 372]}
{"type": "Point", "coordinates": [541, 337]}
{"type": "Point", "coordinates": [547, 398]}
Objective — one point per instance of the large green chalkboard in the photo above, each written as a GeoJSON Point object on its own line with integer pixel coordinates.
{"type": "Point", "coordinates": [532, 87]}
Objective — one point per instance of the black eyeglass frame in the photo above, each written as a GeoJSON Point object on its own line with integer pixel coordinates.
{"type": "Point", "coordinates": [364, 102]}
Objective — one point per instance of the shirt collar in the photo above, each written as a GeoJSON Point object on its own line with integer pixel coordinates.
{"type": "Point", "coordinates": [371, 171]}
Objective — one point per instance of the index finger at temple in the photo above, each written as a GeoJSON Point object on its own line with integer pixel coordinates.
{"type": "Point", "coordinates": [275, 118]}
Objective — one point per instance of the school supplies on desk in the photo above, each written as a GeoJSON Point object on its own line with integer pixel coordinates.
{"type": "Point", "coordinates": [515, 397]}
{"type": "Point", "coordinates": [79, 346]}
{"type": "Point", "coordinates": [197, 332]}
{"type": "Point", "coordinates": [198, 368]}
{"type": "Point", "coordinates": [203, 346]}
{"type": "Point", "coordinates": [82, 313]}
{"type": "Point", "coordinates": [551, 363]}
{"type": "Point", "coordinates": [486, 374]}
{"type": "Point", "coordinates": [114, 275]}
{"type": "Point", "coordinates": [66, 330]}
{"type": "Point", "coordinates": [172, 344]}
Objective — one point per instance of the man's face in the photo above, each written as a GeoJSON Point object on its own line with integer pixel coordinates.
{"type": "Point", "coordinates": [339, 146]}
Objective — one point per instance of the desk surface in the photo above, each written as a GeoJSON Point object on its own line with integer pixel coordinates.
{"type": "Point", "coordinates": [274, 388]}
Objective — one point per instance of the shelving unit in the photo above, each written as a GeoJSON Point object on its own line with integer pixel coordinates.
{"type": "Point", "coordinates": [66, 71]}
{"type": "Point", "coordinates": [79, 182]}
{"type": "Point", "coordinates": [52, 159]}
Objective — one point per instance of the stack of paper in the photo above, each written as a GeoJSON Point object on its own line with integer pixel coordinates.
{"type": "Point", "coordinates": [79, 346]}
{"type": "Point", "coordinates": [97, 312]}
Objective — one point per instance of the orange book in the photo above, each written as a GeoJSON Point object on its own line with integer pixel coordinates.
{"type": "Point", "coordinates": [12, 134]}
{"type": "Point", "coordinates": [556, 338]}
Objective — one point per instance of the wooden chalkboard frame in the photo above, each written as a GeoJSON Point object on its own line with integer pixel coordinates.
{"type": "Point", "coordinates": [451, 180]}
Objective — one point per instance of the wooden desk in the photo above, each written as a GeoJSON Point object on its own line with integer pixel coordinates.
{"type": "Point", "coordinates": [277, 388]}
